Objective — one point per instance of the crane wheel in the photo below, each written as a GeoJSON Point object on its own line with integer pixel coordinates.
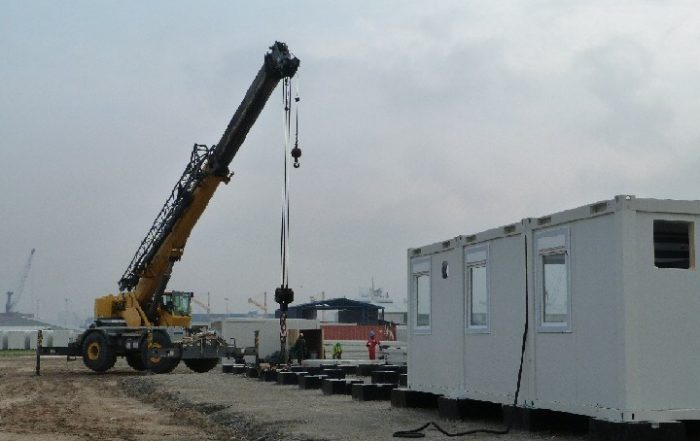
{"type": "Point", "coordinates": [201, 364]}
{"type": "Point", "coordinates": [158, 365]}
{"type": "Point", "coordinates": [97, 354]}
{"type": "Point", "coordinates": [135, 360]}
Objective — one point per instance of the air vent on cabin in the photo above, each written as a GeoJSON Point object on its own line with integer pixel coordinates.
{"type": "Point", "coordinates": [544, 220]}
{"type": "Point", "coordinates": [446, 244]}
{"type": "Point", "coordinates": [417, 252]}
{"type": "Point", "coordinates": [599, 207]}
{"type": "Point", "coordinates": [673, 244]}
{"type": "Point", "coordinates": [471, 238]}
{"type": "Point", "coordinates": [510, 229]}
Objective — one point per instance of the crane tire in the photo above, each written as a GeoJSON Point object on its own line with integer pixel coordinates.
{"type": "Point", "coordinates": [160, 365]}
{"type": "Point", "coordinates": [135, 360]}
{"type": "Point", "coordinates": [97, 354]}
{"type": "Point", "coordinates": [201, 364]}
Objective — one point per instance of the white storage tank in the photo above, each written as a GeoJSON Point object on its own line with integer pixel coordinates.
{"type": "Point", "coordinates": [32, 339]}
{"type": "Point", "coordinates": [242, 332]}
{"type": "Point", "coordinates": [61, 337]}
{"type": "Point", "coordinates": [17, 339]}
{"type": "Point", "coordinates": [613, 296]}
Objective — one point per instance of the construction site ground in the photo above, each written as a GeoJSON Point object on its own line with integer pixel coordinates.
{"type": "Point", "coordinates": [69, 403]}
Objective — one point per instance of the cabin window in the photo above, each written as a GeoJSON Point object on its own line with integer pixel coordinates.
{"type": "Point", "coordinates": [553, 281]}
{"type": "Point", "coordinates": [673, 244]}
{"type": "Point", "coordinates": [421, 294]}
{"type": "Point", "coordinates": [477, 288]}
{"type": "Point", "coordinates": [555, 301]}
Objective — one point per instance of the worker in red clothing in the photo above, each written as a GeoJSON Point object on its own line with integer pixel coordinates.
{"type": "Point", "coordinates": [372, 344]}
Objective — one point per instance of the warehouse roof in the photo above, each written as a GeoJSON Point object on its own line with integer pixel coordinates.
{"type": "Point", "coordinates": [20, 320]}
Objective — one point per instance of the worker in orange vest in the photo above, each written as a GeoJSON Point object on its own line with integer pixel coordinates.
{"type": "Point", "coordinates": [372, 344]}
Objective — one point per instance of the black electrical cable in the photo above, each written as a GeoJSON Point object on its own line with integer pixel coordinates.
{"type": "Point", "coordinates": [418, 432]}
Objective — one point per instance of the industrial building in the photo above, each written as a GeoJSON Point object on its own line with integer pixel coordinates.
{"type": "Point", "coordinates": [610, 294]}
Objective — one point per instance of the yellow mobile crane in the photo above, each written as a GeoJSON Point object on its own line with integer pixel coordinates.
{"type": "Point", "coordinates": [143, 323]}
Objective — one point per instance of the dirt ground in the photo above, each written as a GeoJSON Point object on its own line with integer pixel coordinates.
{"type": "Point", "coordinates": [68, 402]}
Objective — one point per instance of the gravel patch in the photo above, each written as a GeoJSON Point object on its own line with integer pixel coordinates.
{"type": "Point", "coordinates": [249, 409]}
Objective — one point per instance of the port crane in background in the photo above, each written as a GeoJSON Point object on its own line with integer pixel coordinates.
{"type": "Point", "coordinates": [205, 306]}
{"type": "Point", "coordinates": [147, 325]}
{"type": "Point", "coordinates": [17, 293]}
{"type": "Point", "coordinates": [263, 306]}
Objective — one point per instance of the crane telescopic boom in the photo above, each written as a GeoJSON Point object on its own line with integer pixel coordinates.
{"type": "Point", "coordinates": [149, 270]}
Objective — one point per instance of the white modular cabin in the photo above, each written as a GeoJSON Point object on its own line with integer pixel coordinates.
{"type": "Point", "coordinates": [613, 310]}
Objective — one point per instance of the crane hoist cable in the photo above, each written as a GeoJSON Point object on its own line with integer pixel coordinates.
{"type": "Point", "coordinates": [284, 295]}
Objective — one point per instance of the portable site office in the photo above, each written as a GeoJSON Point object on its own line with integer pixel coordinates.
{"type": "Point", "coordinates": [614, 312]}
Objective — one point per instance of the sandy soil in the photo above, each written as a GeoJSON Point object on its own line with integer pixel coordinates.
{"type": "Point", "coordinates": [68, 402]}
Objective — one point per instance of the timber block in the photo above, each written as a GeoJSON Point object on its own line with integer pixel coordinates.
{"type": "Point", "coordinates": [608, 431]}
{"type": "Point", "coordinates": [372, 392]}
{"type": "Point", "coordinates": [385, 377]}
{"type": "Point", "coordinates": [407, 398]}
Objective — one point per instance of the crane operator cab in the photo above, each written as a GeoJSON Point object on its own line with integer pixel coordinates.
{"type": "Point", "coordinates": [175, 309]}
{"type": "Point", "coordinates": [178, 303]}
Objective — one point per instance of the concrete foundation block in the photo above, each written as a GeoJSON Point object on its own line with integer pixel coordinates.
{"type": "Point", "coordinates": [268, 375]}
{"type": "Point", "coordinates": [310, 381]}
{"type": "Point", "coordinates": [407, 398]}
{"type": "Point", "coordinates": [311, 370]}
{"type": "Point", "coordinates": [333, 373]}
{"type": "Point", "coordinates": [287, 378]}
{"type": "Point", "coordinates": [372, 392]}
{"type": "Point", "coordinates": [536, 420]}
{"type": "Point", "coordinates": [383, 376]}
{"type": "Point", "coordinates": [239, 368]}
{"type": "Point", "coordinates": [390, 367]}
{"type": "Point", "coordinates": [349, 369]}
{"type": "Point", "coordinates": [298, 368]}
{"type": "Point", "coordinates": [328, 366]}
{"type": "Point", "coordinates": [609, 431]}
{"type": "Point", "coordinates": [365, 370]}
{"type": "Point", "coordinates": [333, 386]}
{"type": "Point", "coordinates": [349, 384]}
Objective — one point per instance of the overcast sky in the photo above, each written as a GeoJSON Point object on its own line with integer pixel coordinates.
{"type": "Point", "coordinates": [419, 121]}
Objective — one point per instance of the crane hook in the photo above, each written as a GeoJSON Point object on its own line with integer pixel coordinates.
{"type": "Point", "coordinates": [296, 154]}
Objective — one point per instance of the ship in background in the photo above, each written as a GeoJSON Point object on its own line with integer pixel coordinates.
{"type": "Point", "coordinates": [393, 311]}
